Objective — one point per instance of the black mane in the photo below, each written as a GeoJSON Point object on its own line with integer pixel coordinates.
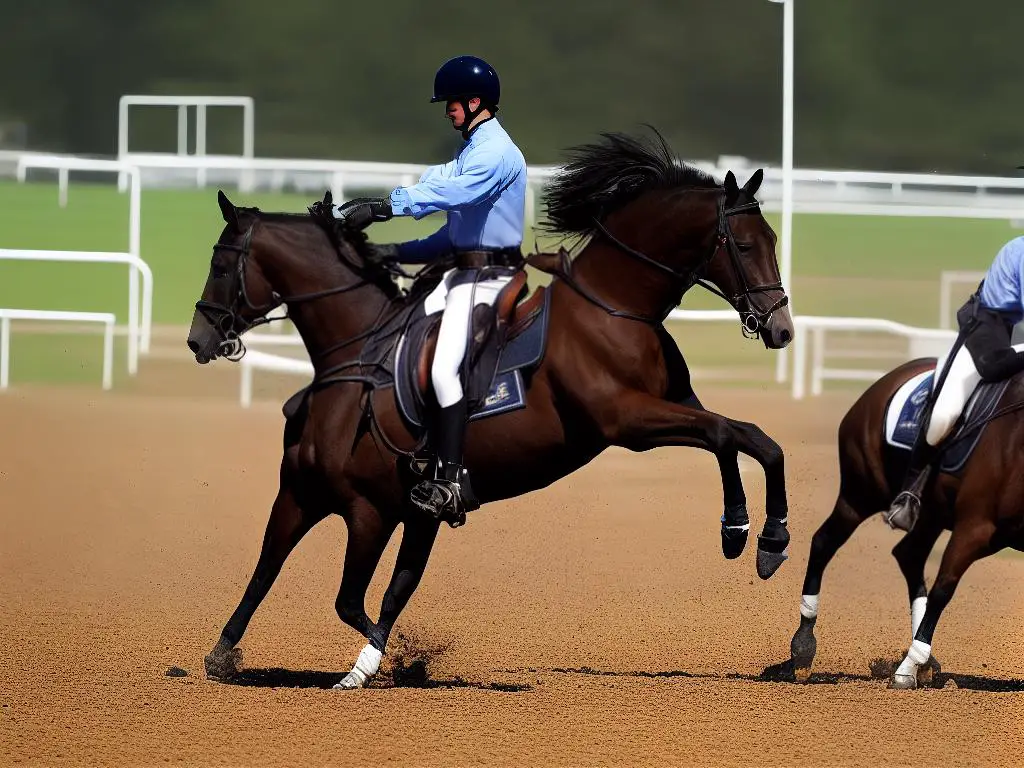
{"type": "Point", "coordinates": [602, 177]}
{"type": "Point", "coordinates": [320, 215]}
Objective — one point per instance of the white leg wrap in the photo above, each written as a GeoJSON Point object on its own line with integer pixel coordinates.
{"type": "Point", "coordinates": [918, 654]}
{"type": "Point", "coordinates": [366, 667]}
{"type": "Point", "coordinates": [809, 606]}
{"type": "Point", "coordinates": [917, 609]}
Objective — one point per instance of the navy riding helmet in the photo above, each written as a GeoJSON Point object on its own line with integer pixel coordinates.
{"type": "Point", "coordinates": [463, 78]}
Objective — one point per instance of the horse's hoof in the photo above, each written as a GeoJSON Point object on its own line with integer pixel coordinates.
{"type": "Point", "coordinates": [733, 542]}
{"type": "Point", "coordinates": [223, 662]}
{"type": "Point", "coordinates": [901, 682]}
{"type": "Point", "coordinates": [735, 528]}
{"type": "Point", "coordinates": [927, 672]}
{"type": "Point", "coordinates": [351, 681]}
{"type": "Point", "coordinates": [769, 562]}
{"type": "Point", "coordinates": [801, 674]}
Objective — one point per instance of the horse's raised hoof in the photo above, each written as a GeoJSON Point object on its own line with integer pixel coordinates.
{"type": "Point", "coordinates": [735, 528]}
{"type": "Point", "coordinates": [223, 662]}
{"type": "Point", "coordinates": [734, 541]}
{"type": "Point", "coordinates": [772, 549]}
{"type": "Point", "coordinates": [901, 682]}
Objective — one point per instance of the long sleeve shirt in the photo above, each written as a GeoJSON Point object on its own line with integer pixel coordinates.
{"type": "Point", "coordinates": [482, 191]}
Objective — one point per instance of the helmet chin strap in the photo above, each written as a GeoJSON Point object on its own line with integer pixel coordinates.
{"type": "Point", "coordinates": [470, 116]}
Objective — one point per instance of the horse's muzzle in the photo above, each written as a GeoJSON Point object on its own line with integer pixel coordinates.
{"type": "Point", "coordinates": [203, 339]}
{"type": "Point", "coordinates": [777, 333]}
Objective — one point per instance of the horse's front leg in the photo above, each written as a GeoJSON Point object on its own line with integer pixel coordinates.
{"type": "Point", "coordinates": [643, 422]}
{"type": "Point", "coordinates": [774, 539]}
{"type": "Point", "coordinates": [289, 522]}
{"type": "Point", "coordinates": [368, 535]}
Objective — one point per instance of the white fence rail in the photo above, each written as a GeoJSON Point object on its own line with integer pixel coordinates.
{"type": "Point", "coordinates": [810, 330]}
{"type": "Point", "coordinates": [7, 315]}
{"type": "Point", "coordinates": [139, 328]}
{"type": "Point", "coordinates": [200, 103]}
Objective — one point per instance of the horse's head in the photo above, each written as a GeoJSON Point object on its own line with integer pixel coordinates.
{"type": "Point", "coordinates": [263, 260]}
{"type": "Point", "coordinates": [678, 226]}
{"type": "Point", "coordinates": [744, 266]}
{"type": "Point", "coordinates": [237, 294]}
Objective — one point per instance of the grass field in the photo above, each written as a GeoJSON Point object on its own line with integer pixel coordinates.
{"type": "Point", "coordinates": [843, 265]}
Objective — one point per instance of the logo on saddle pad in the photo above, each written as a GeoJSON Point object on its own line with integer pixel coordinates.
{"type": "Point", "coordinates": [498, 395]}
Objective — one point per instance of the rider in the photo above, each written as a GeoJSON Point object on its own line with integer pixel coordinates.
{"type": "Point", "coordinates": [982, 352]}
{"type": "Point", "coordinates": [483, 192]}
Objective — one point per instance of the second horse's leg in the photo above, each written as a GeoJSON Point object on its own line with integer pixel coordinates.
{"type": "Point", "coordinates": [911, 553]}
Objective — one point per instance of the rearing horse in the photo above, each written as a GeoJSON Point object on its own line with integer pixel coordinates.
{"type": "Point", "coordinates": [610, 373]}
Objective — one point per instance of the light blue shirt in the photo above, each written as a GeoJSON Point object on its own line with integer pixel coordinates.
{"type": "Point", "coordinates": [1003, 281]}
{"type": "Point", "coordinates": [482, 190]}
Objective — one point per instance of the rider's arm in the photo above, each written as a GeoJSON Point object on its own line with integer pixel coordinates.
{"type": "Point", "coordinates": [427, 249]}
{"type": "Point", "coordinates": [481, 178]}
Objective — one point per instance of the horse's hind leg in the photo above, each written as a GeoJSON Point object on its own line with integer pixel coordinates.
{"type": "Point", "coordinates": [969, 542]}
{"type": "Point", "coordinates": [288, 523]}
{"type": "Point", "coordinates": [368, 535]}
{"type": "Point", "coordinates": [911, 554]}
{"type": "Point", "coordinates": [827, 540]}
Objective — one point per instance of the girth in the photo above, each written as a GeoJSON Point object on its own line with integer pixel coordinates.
{"type": "Point", "coordinates": [482, 258]}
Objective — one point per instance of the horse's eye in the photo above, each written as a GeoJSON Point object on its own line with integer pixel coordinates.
{"type": "Point", "coordinates": [744, 247]}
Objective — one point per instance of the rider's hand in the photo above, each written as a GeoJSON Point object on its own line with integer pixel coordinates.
{"type": "Point", "coordinates": [362, 211]}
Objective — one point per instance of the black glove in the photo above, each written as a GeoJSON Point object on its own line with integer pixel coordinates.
{"type": "Point", "coordinates": [381, 253]}
{"type": "Point", "coordinates": [362, 211]}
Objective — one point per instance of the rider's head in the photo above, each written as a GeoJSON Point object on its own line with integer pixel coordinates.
{"type": "Point", "coordinates": [470, 89]}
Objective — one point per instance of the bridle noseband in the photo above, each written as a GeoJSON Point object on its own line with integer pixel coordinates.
{"type": "Point", "coordinates": [753, 320]}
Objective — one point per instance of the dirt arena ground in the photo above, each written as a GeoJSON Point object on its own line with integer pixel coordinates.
{"type": "Point", "coordinates": [591, 623]}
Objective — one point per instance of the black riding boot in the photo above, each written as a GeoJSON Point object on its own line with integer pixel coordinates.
{"type": "Point", "coordinates": [906, 507]}
{"type": "Point", "coordinates": [448, 495]}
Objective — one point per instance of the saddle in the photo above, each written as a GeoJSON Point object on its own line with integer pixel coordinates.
{"type": "Point", "coordinates": [905, 410]}
{"type": "Point", "coordinates": [507, 342]}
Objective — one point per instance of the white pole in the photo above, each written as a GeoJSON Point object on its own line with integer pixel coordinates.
{"type": "Point", "coordinates": [62, 187]}
{"type": "Point", "coordinates": [108, 354]}
{"type": "Point", "coordinates": [122, 139]}
{"type": "Point", "coordinates": [787, 168]}
{"type": "Point", "coordinates": [200, 143]}
{"type": "Point", "coordinates": [248, 143]}
{"type": "Point", "coordinates": [5, 351]}
{"type": "Point", "coordinates": [182, 129]}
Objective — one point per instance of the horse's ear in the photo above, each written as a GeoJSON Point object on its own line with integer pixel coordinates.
{"type": "Point", "coordinates": [328, 200]}
{"type": "Point", "coordinates": [227, 209]}
{"type": "Point", "coordinates": [754, 183]}
{"type": "Point", "coordinates": [732, 190]}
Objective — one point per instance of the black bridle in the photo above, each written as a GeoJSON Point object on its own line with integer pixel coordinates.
{"type": "Point", "coordinates": [227, 318]}
{"type": "Point", "coordinates": [752, 318]}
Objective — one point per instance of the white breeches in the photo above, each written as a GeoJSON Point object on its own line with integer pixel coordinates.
{"type": "Point", "coordinates": [457, 294]}
{"type": "Point", "coordinates": [960, 383]}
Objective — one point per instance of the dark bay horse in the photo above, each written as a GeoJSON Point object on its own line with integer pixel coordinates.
{"type": "Point", "coordinates": [982, 504]}
{"type": "Point", "coordinates": [610, 374]}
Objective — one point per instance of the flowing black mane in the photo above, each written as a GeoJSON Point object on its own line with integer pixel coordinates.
{"type": "Point", "coordinates": [602, 177]}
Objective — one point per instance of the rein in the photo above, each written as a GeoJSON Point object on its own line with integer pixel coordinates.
{"type": "Point", "coordinates": [752, 319]}
{"type": "Point", "coordinates": [226, 318]}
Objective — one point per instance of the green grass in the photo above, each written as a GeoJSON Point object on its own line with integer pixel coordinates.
{"type": "Point", "coordinates": [843, 265]}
